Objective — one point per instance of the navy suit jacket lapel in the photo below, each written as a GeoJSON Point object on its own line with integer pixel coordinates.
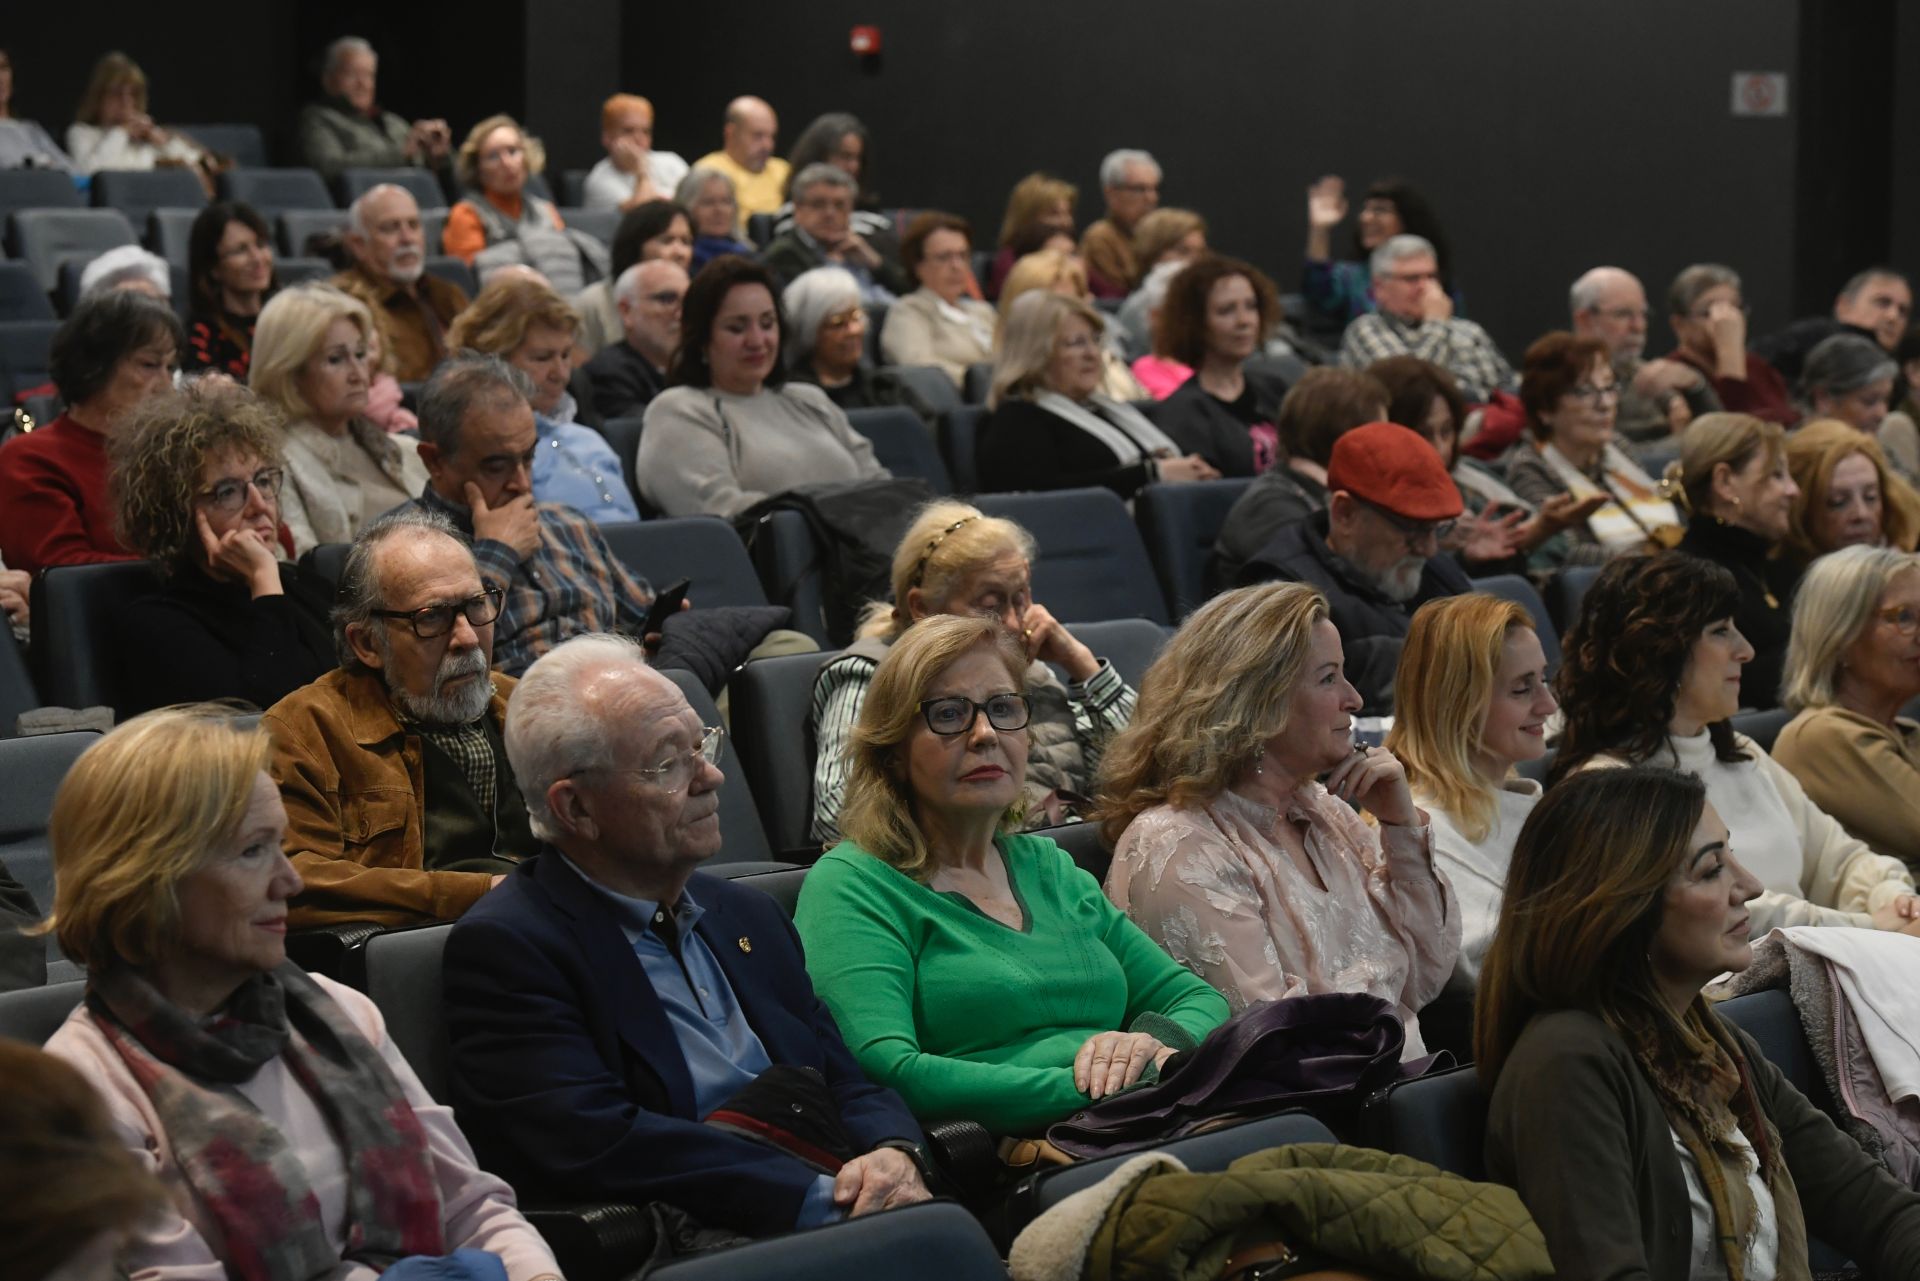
{"type": "Point", "coordinates": [619, 981]}
{"type": "Point", "coordinates": [746, 970]}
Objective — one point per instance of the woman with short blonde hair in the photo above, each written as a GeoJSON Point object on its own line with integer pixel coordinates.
{"type": "Point", "coordinates": [1229, 853]}
{"type": "Point", "coordinates": [1852, 667]}
{"type": "Point", "coordinates": [1061, 272]}
{"type": "Point", "coordinates": [310, 363]}
{"type": "Point", "coordinates": [1848, 493]}
{"type": "Point", "coordinates": [973, 968]}
{"type": "Point", "coordinates": [243, 1083]}
{"type": "Point", "coordinates": [500, 222]}
{"type": "Point", "coordinates": [956, 560]}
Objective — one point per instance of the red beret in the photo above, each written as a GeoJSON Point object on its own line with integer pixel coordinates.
{"type": "Point", "coordinates": [1393, 467]}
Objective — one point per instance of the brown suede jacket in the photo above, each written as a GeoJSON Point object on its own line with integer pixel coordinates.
{"type": "Point", "coordinates": [351, 779]}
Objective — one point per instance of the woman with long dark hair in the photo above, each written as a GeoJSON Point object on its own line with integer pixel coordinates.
{"type": "Point", "coordinates": [230, 270]}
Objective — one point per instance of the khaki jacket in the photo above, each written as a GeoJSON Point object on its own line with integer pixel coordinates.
{"type": "Point", "coordinates": [351, 779]}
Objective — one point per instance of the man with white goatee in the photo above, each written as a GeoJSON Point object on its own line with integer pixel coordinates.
{"type": "Point", "coordinates": [389, 275]}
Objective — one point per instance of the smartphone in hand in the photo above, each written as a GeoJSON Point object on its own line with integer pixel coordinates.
{"type": "Point", "coordinates": [664, 606]}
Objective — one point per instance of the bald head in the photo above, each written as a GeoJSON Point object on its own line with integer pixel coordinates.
{"type": "Point", "coordinates": [750, 132]}
{"type": "Point", "coordinates": [384, 235]}
{"type": "Point", "coordinates": [1609, 303]}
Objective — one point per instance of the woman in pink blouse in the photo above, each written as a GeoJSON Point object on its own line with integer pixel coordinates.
{"type": "Point", "coordinates": [1231, 800]}
{"type": "Point", "coordinates": [291, 1137]}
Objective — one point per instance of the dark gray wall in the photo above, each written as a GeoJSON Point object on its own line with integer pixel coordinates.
{"type": "Point", "coordinates": [1548, 136]}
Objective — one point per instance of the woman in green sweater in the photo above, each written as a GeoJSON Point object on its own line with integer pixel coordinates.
{"type": "Point", "coordinates": [973, 969]}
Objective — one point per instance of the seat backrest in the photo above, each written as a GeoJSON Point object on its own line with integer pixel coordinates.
{"type": "Point", "coordinates": [403, 980]}
{"type": "Point", "coordinates": [760, 229]}
{"type": "Point", "coordinates": [1201, 1153]}
{"type": "Point", "coordinates": [598, 223]}
{"type": "Point", "coordinates": [959, 437]}
{"type": "Point", "coordinates": [329, 561]}
{"type": "Point", "coordinates": [76, 634]}
{"type": "Point", "coordinates": [928, 383]}
{"type": "Point", "coordinates": [32, 769]}
{"type": "Point", "coordinates": [624, 435]}
{"type": "Point", "coordinates": [1518, 590]}
{"type": "Point", "coordinates": [452, 270]}
{"type": "Point", "coordinates": [1179, 524]}
{"type": "Point", "coordinates": [742, 839]}
{"type": "Point", "coordinates": [537, 184]}
{"type": "Point", "coordinates": [1131, 644]}
{"type": "Point", "coordinates": [787, 560]}
{"type": "Point", "coordinates": [783, 887]}
{"type": "Point", "coordinates": [702, 548]}
{"type": "Point", "coordinates": [1564, 592]}
{"type": "Point", "coordinates": [272, 191]}
{"type": "Point", "coordinates": [573, 187]}
{"type": "Point", "coordinates": [170, 234]}
{"type": "Point", "coordinates": [21, 297]}
{"type": "Point", "coordinates": [772, 717]}
{"type": "Point", "coordinates": [244, 143]}
{"type": "Point", "coordinates": [138, 192]}
{"type": "Point", "coordinates": [1763, 727]}
{"type": "Point", "coordinates": [354, 183]}
{"type": "Point", "coordinates": [1439, 1119]}
{"type": "Point", "coordinates": [902, 444]}
{"type": "Point", "coordinates": [38, 189]}
{"type": "Point", "coordinates": [17, 693]}
{"type": "Point", "coordinates": [935, 1240]}
{"type": "Point", "coordinates": [977, 383]}
{"type": "Point", "coordinates": [299, 271]}
{"type": "Point", "coordinates": [298, 224]}
{"type": "Point", "coordinates": [25, 346]}
{"type": "Point", "coordinates": [1083, 844]}
{"type": "Point", "coordinates": [32, 1015]}
{"type": "Point", "coordinates": [1092, 565]}
{"type": "Point", "coordinates": [47, 237]}
{"type": "Point", "coordinates": [1772, 1020]}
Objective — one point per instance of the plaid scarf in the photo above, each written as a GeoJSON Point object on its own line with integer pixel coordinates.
{"type": "Point", "coordinates": [1708, 1095]}
{"type": "Point", "coordinates": [468, 747]}
{"type": "Point", "coordinates": [253, 1186]}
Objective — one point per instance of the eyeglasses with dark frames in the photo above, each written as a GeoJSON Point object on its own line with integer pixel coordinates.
{"type": "Point", "coordinates": [956, 715]}
{"type": "Point", "coordinates": [430, 621]}
{"type": "Point", "coordinates": [1414, 531]}
{"type": "Point", "coordinates": [230, 495]}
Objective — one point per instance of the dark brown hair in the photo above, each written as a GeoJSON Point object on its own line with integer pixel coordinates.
{"type": "Point", "coordinates": [1325, 405]}
{"type": "Point", "coordinates": [1181, 327]}
{"type": "Point", "coordinates": [914, 243]}
{"type": "Point", "coordinates": [1552, 367]}
{"type": "Point", "coordinates": [705, 296]}
{"type": "Point", "coordinates": [1411, 385]}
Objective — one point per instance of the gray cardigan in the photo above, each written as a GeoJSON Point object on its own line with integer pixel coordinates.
{"type": "Point", "coordinates": [1576, 1127]}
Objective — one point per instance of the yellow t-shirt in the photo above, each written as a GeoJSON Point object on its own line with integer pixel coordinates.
{"type": "Point", "coordinates": [762, 192]}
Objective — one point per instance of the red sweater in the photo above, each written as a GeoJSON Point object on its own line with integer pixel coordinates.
{"type": "Point", "coordinates": [1762, 393]}
{"type": "Point", "coordinates": [53, 499]}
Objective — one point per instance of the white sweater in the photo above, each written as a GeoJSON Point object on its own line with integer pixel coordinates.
{"type": "Point", "coordinates": [1478, 870]}
{"type": "Point", "coordinates": [1814, 873]}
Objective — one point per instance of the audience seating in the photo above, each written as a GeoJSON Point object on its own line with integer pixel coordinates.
{"type": "Point", "coordinates": [1179, 524]}
{"type": "Point", "coordinates": [37, 189]}
{"type": "Point", "coordinates": [760, 229]}
{"type": "Point", "coordinates": [928, 383]}
{"type": "Point", "coordinates": [977, 383]}
{"type": "Point", "coordinates": [354, 183]}
{"type": "Point", "coordinates": [624, 435]}
{"type": "Point", "coordinates": [24, 349]}
{"type": "Point", "coordinates": [598, 223]}
{"type": "Point", "coordinates": [76, 633]}
{"type": "Point", "coordinates": [400, 971]}
{"type": "Point", "coordinates": [1440, 1119]}
{"type": "Point", "coordinates": [453, 270]}
{"type": "Point", "coordinates": [273, 191]}
{"type": "Point", "coordinates": [573, 188]}
{"type": "Point", "coordinates": [1763, 727]}
{"type": "Point", "coordinates": [33, 768]}
{"type": "Point", "coordinates": [787, 561]}
{"type": "Point", "coordinates": [432, 222]}
{"type": "Point", "coordinates": [1565, 591]}
{"type": "Point", "coordinates": [32, 1015]}
{"type": "Point", "coordinates": [17, 693]}
{"type": "Point", "coordinates": [296, 225]}
{"type": "Point", "coordinates": [170, 232]}
{"type": "Point", "coordinates": [901, 443]}
{"type": "Point", "coordinates": [242, 143]}
{"type": "Point", "coordinates": [21, 297]}
{"type": "Point", "coordinates": [1092, 565]}
{"type": "Point", "coordinates": [1520, 591]}
{"type": "Point", "coordinates": [783, 887]}
{"type": "Point", "coordinates": [292, 270]}
{"type": "Point", "coordinates": [1131, 644]}
{"type": "Point", "coordinates": [870, 341]}
{"type": "Point", "coordinates": [772, 709]}
{"type": "Point", "coordinates": [138, 192]}
{"type": "Point", "coordinates": [328, 560]}
{"type": "Point", "coordinates": [741, 838]}
{"type": "Point", "coordinates": [45, 238]}
{"type": "Point", "coordinates": [959, 439]}
{"type": "Point", "coordinates": [702, 548]}
{"type": "Point", "coordinates": [936, 1241]}
{"type": "Point", "coordinates": [1084, 845]}
{"type": "Point", "coordinates": [537, 184]}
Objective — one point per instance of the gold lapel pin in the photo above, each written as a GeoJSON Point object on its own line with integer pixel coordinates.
{"type": "Point", "coordinates": [746, 944]}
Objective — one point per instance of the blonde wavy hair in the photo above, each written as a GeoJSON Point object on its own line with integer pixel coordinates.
{"type": "Point", "coordinates": [1219, 692]}
{"type": "Point", "coordinates": [1161, 230]}
{"type": "Point", "coordinates": [497, 319]}
{"type": "Point", "coordinates": [466, 162]}
{"type": "Point", "coordinates": [113, 69]}
{"type": "Point", "coordinates": [1445, 686]}
{"type": "Point", "coordinates": [290, 331]}
{"type": "Point", "coordinates": [1029, 331]}
{"type": "Point", "coordinates": [880, 809]}
{"type": "Point", "coordinates": [1813, 451]}
{"type": "Point", "coordinates": [157, 460]}
{"type": "Point", "coordinates": [1043, 269]}
{"type": "Point", "coordinates": [947, 541]}
{"type": "Point", "coordinates": [138, 812]}
{"type": "Point", "coordinates": [1030, 200]}
{"type": "Point", "coordinates": [1712, 439]}
{"type": "Point", "coordinates": [1832, 606]}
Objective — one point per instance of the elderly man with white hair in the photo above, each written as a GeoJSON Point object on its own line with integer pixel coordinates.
{"type": "Point", "coordinates": [1658, 398]}
{"type": "Point", "coordinates": [1130, 181]}
{"type": "Point", "coordinates": [823, 236]}
{"type": "Point", "coordinates": [128, 267]}
{"type": "Point", "coordinates": [1414, 317]}
{"type": "Point", "coordinates": [623, 1026]}
{"type": "Point", "coordinates": [348, 129]}
{"type": "Point", "coordinates": [626, 375]}
{"type": "Point", "coordinates": [389, 275]}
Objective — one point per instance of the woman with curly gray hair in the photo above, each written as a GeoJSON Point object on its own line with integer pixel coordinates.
{"type": "Point", "coordinates": [196, 480]}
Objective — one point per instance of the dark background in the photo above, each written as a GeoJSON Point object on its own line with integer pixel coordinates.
{"type": "Point", "coordinates": [1550, 137]}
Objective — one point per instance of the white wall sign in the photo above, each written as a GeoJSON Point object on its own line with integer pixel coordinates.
{"type": "Point", "coordinates": [1759, 93]}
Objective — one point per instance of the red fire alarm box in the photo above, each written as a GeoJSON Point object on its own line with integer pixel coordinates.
{"type": "Point", "coordinates": [865, 41]}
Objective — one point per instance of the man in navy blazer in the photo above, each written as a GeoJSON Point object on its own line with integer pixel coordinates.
{"type": "Point", "coordinates": [607, 997]}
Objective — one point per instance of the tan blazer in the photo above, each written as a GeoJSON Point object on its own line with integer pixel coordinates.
{"type": "Point", "coordinates": [918, 332]}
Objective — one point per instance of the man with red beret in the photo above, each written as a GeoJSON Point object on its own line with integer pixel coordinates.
{"type": "Point", "coordinates": [1375, 550]}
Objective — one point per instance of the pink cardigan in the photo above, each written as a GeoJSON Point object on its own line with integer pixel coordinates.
{"type": "Point", "coordinates": [479, 1208]}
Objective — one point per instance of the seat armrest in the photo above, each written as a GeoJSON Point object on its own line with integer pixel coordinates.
{"type": "Point", "coordinates": [337, 951]}
{"type": "Point", "coordinates": [595, 1241]}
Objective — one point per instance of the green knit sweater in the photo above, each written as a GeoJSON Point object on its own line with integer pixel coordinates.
{"type": "Point", "coordinates": [972, 1020]}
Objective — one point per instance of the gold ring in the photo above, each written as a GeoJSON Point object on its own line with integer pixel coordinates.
{"type": "Point", "coordinates": [1026, 634]}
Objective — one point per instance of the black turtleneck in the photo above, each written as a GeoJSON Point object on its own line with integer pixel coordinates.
{"type": "Point", "coordinates": [1765, 612]}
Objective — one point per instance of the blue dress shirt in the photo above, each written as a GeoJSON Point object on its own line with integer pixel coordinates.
{"type": "Point", "coordinates": [576, 466]}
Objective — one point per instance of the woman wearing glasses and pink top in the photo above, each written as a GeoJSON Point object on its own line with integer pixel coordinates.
{"type": "Point", "coordinates": [196, 485]}
{"type": "Point", "coordinates": [1572, 398]}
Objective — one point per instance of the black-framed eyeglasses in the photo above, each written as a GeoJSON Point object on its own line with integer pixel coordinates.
{"type": "Point", "coordinates": [1415, 532]}
{"type": "Point", "coordinates": [437, 620]}
{"type": "Point", "coordinates": [673, 774]}
{"type": "Point", "coordinates": [230, 495]}
{"type": "Point", "coordinates": [955, 715]}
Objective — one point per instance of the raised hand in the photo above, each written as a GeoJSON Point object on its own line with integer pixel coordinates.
{"type": "Point", "coordinates": [1327, 203]}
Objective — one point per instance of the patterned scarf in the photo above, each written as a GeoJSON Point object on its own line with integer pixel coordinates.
{"type": "Point", "coordinates": [1708, 1096]}
{"type": "Point", "coordinates": [253, 1186]}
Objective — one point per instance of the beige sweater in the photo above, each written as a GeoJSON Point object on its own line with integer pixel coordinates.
{"type": "Point", "coordinates": [1865, 774]}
